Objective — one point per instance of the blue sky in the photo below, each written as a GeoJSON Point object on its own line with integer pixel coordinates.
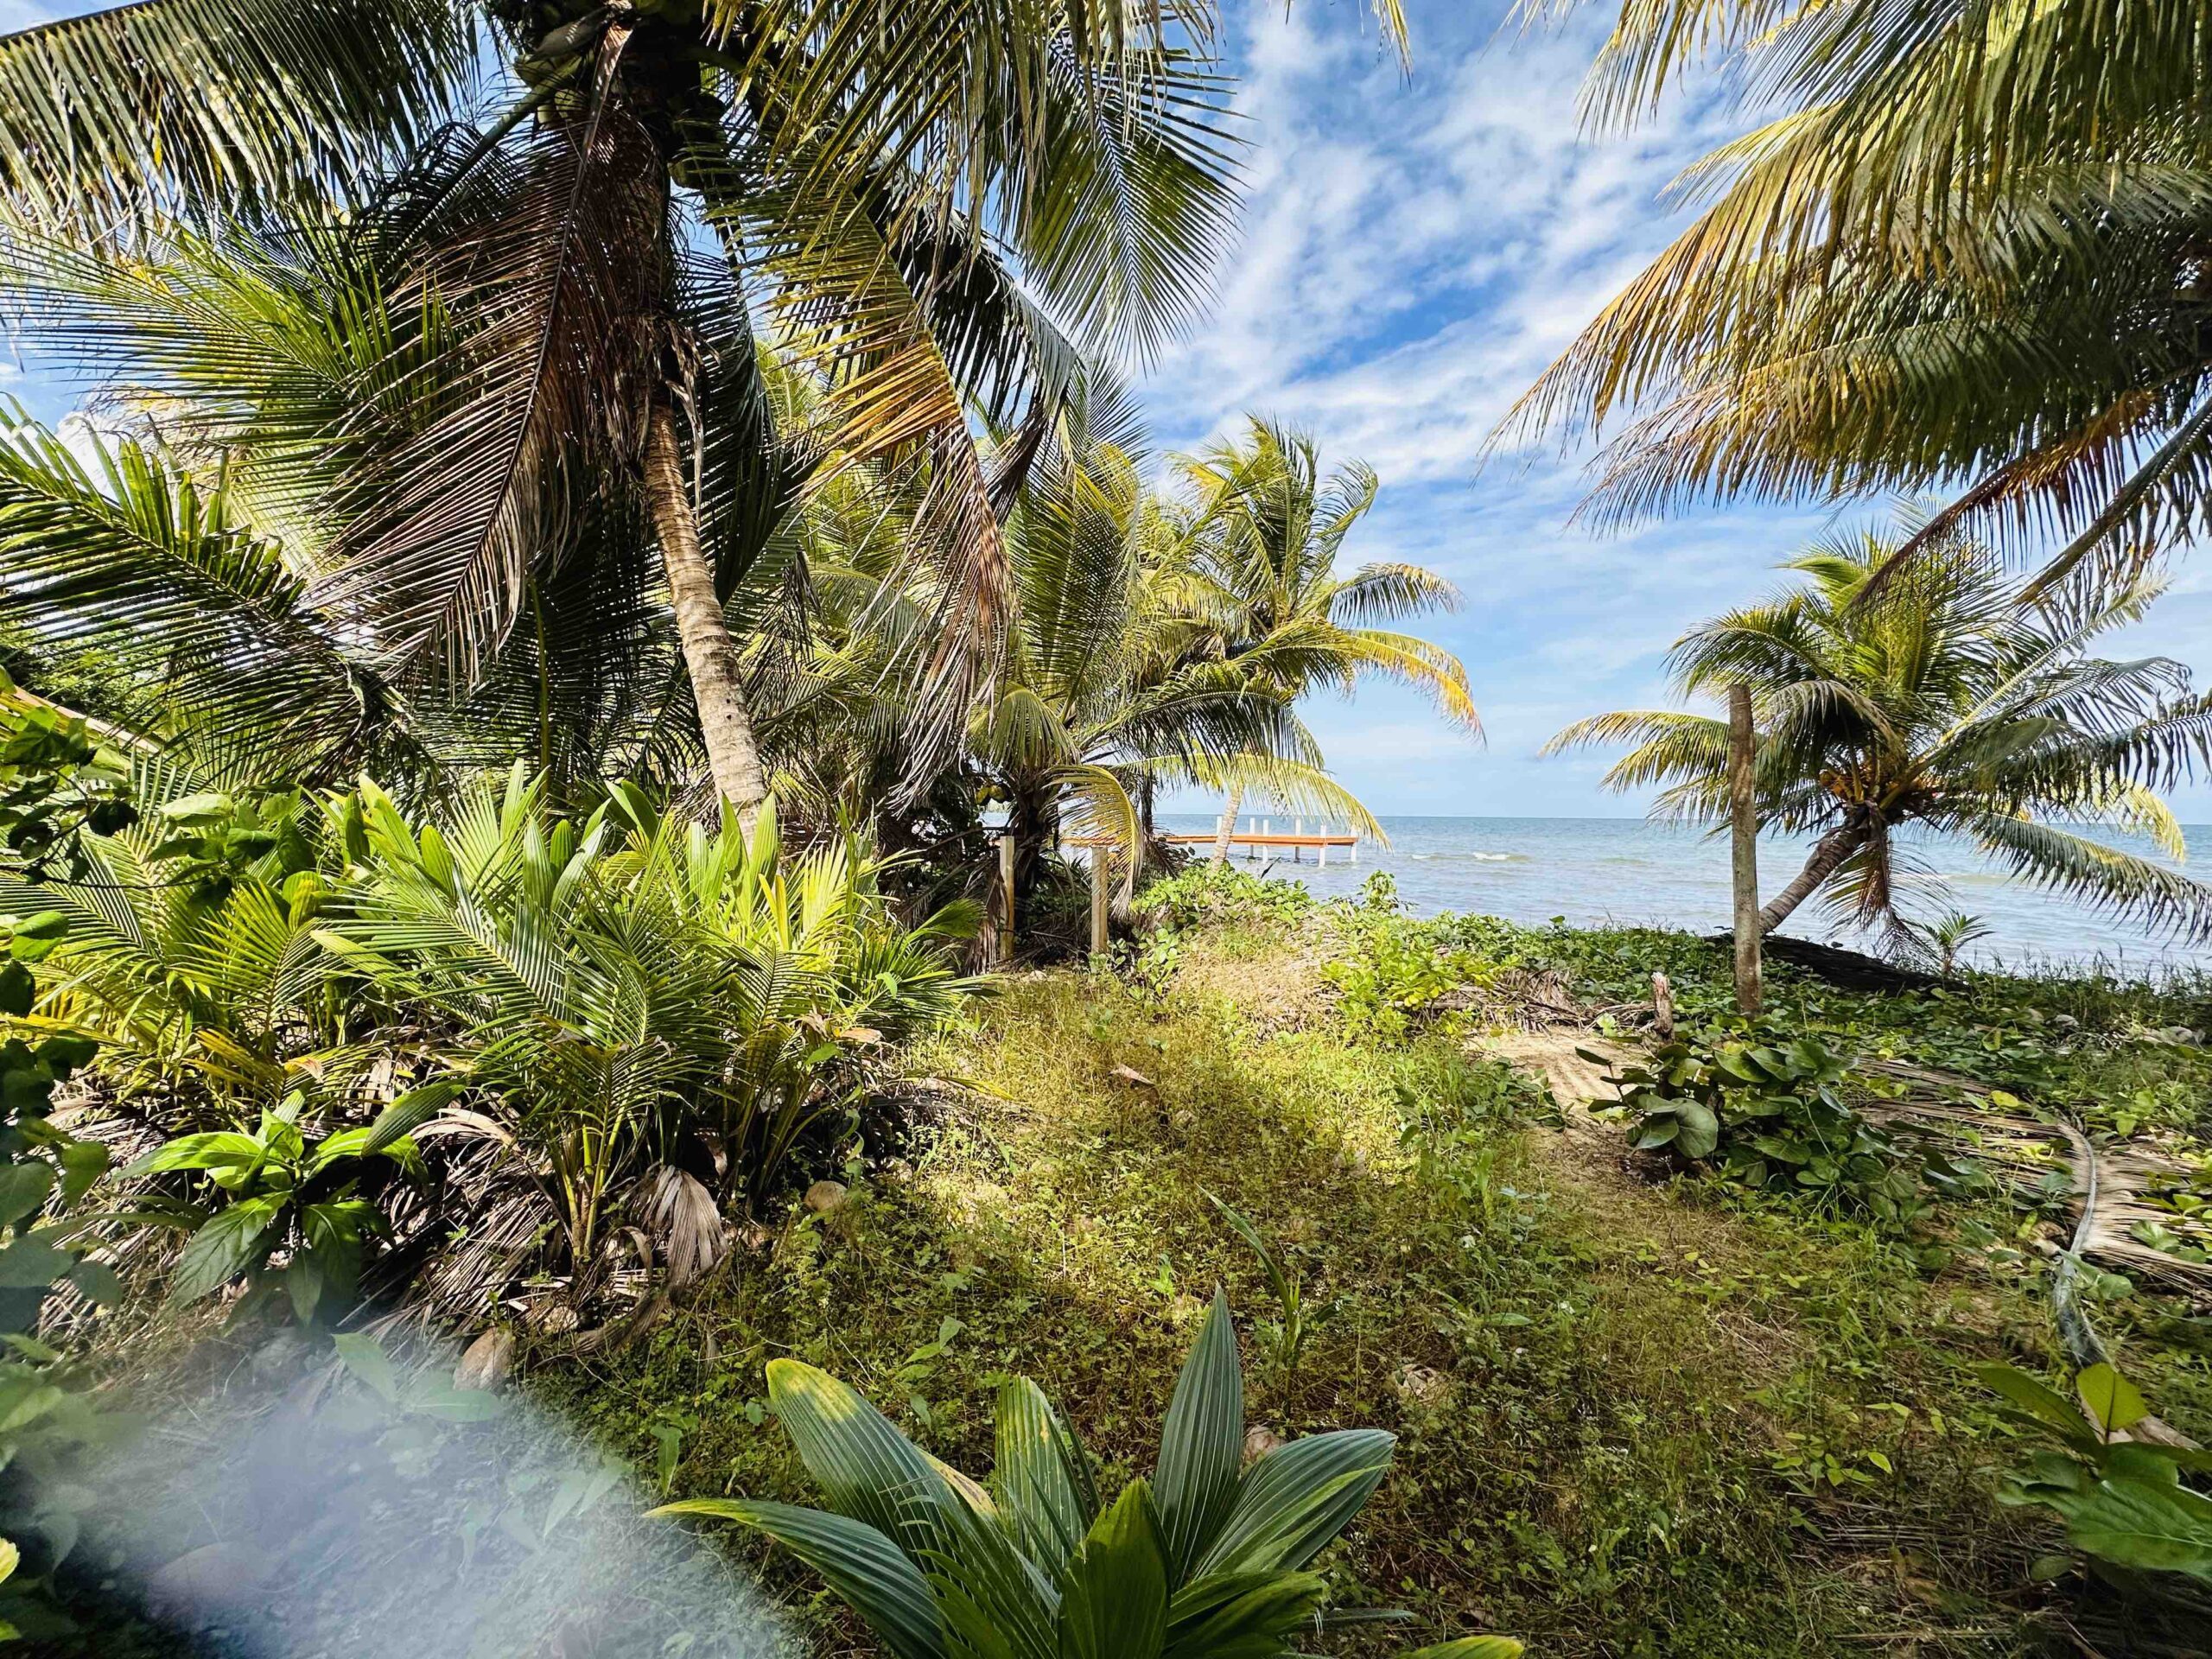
{"type": "Point", "coordinates": [1416, 249]}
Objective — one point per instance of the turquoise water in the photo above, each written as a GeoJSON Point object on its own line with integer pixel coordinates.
{"type": "Point", "coordinates": [1627, 871]}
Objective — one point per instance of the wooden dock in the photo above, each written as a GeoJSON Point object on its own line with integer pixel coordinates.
{"type": "Point", "coordinates": [1253, 841]}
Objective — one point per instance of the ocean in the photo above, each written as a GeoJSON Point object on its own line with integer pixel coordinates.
{"type": "Point", "coordinates": [1630, 872]}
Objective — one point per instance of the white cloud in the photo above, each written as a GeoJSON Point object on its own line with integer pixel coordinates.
{"type": "Point", "coordinates": [1415, 253]}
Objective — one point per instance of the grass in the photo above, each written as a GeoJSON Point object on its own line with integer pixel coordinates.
{"type": "Point", "coordinates": [1634, 1419]}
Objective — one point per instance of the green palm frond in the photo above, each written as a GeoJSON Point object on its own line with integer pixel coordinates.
{"type": "Point", "coordinates": [130, 562]}
{"type": "Point", "coordinates": [214, 106]}
{"type": "Point", "coordinates": [2099, 875]}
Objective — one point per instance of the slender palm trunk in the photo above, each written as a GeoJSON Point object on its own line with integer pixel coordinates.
{"type": "Point", "coordinates": [1227, 824]}
{"type": "Point", "coordinates": [1829, 851]}
{"type": "Point", "coordinates": [709, 651]}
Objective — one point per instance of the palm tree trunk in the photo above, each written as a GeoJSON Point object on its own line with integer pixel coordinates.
{"type": "Point", "coordinates": [709, 651]}
{"type": "Point", "coordinates": [1829, 851]}
{"type": "Point", "coordinates": [1227, 824]}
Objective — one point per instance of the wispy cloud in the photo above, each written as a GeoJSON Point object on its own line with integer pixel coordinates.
{"type": "Point", "coordinates": [1416, 252]}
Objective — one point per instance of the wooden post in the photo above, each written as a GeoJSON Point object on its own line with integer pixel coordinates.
{"type": "Point", "coordinates": [1744, 829]}
{"type": "Point", "coordinates": [1102, 877]}
{"type": "Point", "coordinates": [1005, 900]}
{"type": "Point", "coordinates": [1662, 1007]}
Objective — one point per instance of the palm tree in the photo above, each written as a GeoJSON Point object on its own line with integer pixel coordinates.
{"type": "Point", "coordinates": [1940, 699]}
{"type": "Point", "coordinates": [1260, 576]}
{"type": "Point", "coordinates": [1969, 245]}
{"type": "Point", "coordinates": [869, 176]}
{"type": "Point", "coordinates": [1110, 691]}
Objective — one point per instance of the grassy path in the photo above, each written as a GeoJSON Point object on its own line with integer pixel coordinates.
{"type": "Point", "coordinates": [1631, 1421]}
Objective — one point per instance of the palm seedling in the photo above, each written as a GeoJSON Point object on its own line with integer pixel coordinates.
{"type": "Point", "coordinates": [1943, 937]}
{"type": "Point", "coordinates": [1943, 700]}
{"type": "Point", "coordinates": [1205, 1558]}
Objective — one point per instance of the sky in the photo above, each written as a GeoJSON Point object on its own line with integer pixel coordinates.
{"type": "Point", "coordinates": [1417, 250]}
{"type": "Point", "coordinates": [1417, 247]}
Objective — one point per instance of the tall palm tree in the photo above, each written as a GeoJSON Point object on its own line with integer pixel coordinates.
{"type": "Point", "coordinates": [1968, 245]}
{"type": "Point", "coordinates": [1940, 700]}
{"type": "Point", "coordinates": [596, 234]}
{"type": "Point", "coordinates": [1109, 692]}
{"type": "Point", "coordinates": [1261, 577]}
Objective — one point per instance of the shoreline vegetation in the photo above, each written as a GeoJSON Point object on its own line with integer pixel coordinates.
{"type": "Point", "coordinates": [559, 1098]}
{"type": "Point", "coordinates": [1641, 1406]}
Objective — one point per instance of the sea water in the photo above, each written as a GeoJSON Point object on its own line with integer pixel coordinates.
{"type": "Point", "coordinates": [1630, 872]}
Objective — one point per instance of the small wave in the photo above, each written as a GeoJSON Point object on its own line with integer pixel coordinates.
{"type": "Point", "coordinates": [1499, 858]}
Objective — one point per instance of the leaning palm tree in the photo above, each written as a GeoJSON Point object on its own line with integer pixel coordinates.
{"type": "Point", "coordinates": [589, 244]}
{"type": "Point", "coordinates": [1939, 700]}
{"type": "Point", "coordinates": [1259, 575]}
{"type": "Point", "coordinates": [1966, 241]}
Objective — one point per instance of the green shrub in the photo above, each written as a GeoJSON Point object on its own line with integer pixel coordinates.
{"type": "Point", "coordinates": [1220, 895]}
{"type": "Point", "coordinates": [1770, 1115]}
{"type": "Point", "coordinates": [2124, 1501]}
{"type": "Point", "coordinates": [1205, 1559]}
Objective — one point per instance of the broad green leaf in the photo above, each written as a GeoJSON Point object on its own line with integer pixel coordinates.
{"type": "Point", "coordinates": [867, 1469]}
{"type": "Point", "coordinates": [1296, 1498]}
{"type": "Point", "coordinates": [31, 1263]}
{"type": "Point", "coordinates": [1114, 1589]}
{"type": "Point", "coordinates": [1701, 1130]}
{"type": "Point", "coordinates": [2112, 1399]}
{"type": "Point", "coordinates": [451, 1405]}
{"type": "Point", "coordinates": [98, 1283]}
{"type": "Point", "coordinates": [1041, 1475]}
{"type": "Point", "coordinates": [83, 1162]}
{"type": "Point", "coordinates": [2136, 1523]}
{"type": "Point", "coordinates": [225, 1149]}
{"type": "Point", "coordinates": [862, 1566]}
{"type": "Point", "coordinates": [23, 1188]}
{"type": "Point", "coordinates": [1250, 1612]}
{"type": "Point", "coordinates": [364, 1357]}
{"type": "Point", "coordinates": [992, 1598]}
{"type": "Point", "coordinates": [1202, 1442]}
{"type": "Point", "coordinates": [230, 1242]}
{"type": "Point", "coordinates": [303, 1286]}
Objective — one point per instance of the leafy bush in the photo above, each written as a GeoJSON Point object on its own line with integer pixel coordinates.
{"type": "Point", "coordinates": [1770, 1116]}
{"type": "Point", "coordinates": [1205, 1559]}
{"type": "Point", "coordinates": [2124, 1502]}
{"type": "Point", "coordinates": [649, 1013]}
{"type": "Point", "coordinates": [1206, 894]}
{"type": "Point", "coordinates": [281, 1192]}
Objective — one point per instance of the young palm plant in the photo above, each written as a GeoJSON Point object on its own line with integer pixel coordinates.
{"type": "Point", "coordinates": [1205, 1557]}
{"type": "Point", "coordinates": [643, 1013]}
{"type": "Point", "coordinates": [1940, 700]}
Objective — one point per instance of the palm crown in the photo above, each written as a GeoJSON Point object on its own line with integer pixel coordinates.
{"type": "Point", "coordinates": [1938, 699]}
{"type": "Point", "coordinates": [568, 264]}
{"type": "Point", "coordinates": [1967, 246]}
{"type": "Point", "coordinates": [1256, 573]}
